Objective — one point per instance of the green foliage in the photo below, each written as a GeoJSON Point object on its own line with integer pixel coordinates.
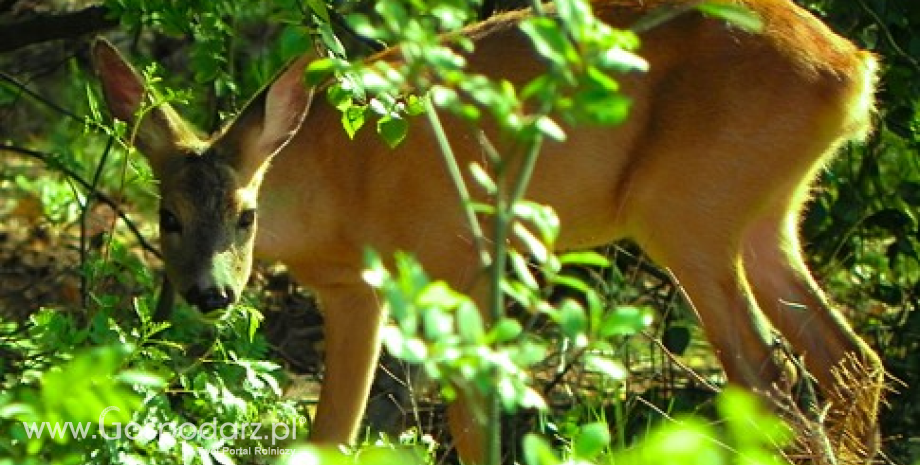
{"type": "Point", "coordinates": [126, 386]}
{"type": "Point", "coordinates": [683, 441]}
{"type": "Point", "coordinates": [434, 325]}
{"type": "Point", "coordinates": [862, 228]}
{"type": "Point", "coordinates": [69, 365]}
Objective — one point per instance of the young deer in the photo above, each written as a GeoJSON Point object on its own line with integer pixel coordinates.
{"type": "Point", "coordinates": [709, 175]}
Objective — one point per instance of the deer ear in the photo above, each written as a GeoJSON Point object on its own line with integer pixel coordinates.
{"type": "Point", "coordinates": [160, 130]}
{"type": "Point", "coordinates": [269, 121]}
{"type": "Point", "coordinates": [286, 103]}
{"type": "Point", "coordinates": [121, 85]}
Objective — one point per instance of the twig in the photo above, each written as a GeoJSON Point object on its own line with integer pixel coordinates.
{"type": "Point", "coordinates": [567, 368]}
{"type": "Point", "coordinates": [456, 177]}
{"type": "Point", "coordinates": [676, 361]}
{"type": "Point", "coordinates": [48, 161]}
{"type": "Point", "coordinates": [889, 37]}
{"type": "Point", "coordinates": [39, 98]}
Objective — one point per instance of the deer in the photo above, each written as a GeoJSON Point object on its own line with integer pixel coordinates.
{"type": "Point", "coordinates": [709, 175]}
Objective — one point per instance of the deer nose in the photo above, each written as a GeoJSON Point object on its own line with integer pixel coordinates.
{"type": "Point", "coordinates": [212, 298]}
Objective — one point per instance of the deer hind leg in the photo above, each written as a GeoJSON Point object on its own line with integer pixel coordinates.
{"type": "Point", "coordinates": [849, 373]}
{"type": "Point", "coordinates": [466, 414]}
{"type": "Point", "coordinates": [467, 427]}
{"type": "Point", "coordinates": [705, 257]}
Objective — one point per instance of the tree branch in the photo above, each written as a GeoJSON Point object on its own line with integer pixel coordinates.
{"type": "Point", "coordinates": [47, 27]}
{"type": "Point", "coordinates": [39, 98]}
{"type": "Point", "coordinates": [49, 161]}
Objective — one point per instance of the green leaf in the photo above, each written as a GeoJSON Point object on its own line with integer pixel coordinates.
{"type": "Point", "coordinates": [142, 378]}
{"type": "Point", "coordinates": [451, 17]}
{"type": "Point", "coordinates": [571, 282]}
{"type": "Point", "coordinates": [91, 386]}
{"type": "Point", "coordinates": [319, 70]}
{"type": "Point", "coordinates": [416, 350]}
{"type": "Point", "coordinates": [572, 319]}
{"type": "Point", "coordinates": [330, 40]}
{"type": "Point", "coordinates": [592, 439]}
{"type": "Point", "coordinates": [611, 368]}
{"type": "Point", "coordinates": [410, 349]}
{"type": "Point", "coordinates": [506, 330]}
{"type": "Point", "coordinates": [622, 61]}
{"type": "Point", "coordinates": [537, 451]}
{"type": "Point", "coordinates": [522, 270]}
{"type": "Point", "coordinates": [543, 87]}
{"type": "Point", "coordinates": [534, 246]}
{"type": "Point", "coordinates": [353, 119]}
{"type": "Point", "coordinates": [393, 129]}
{"type": "Point", "coordinates": [255, 320]}
{"type": "Point", "coordinates": [573, 12]}
{"type": "Point", "coordinates": [361, 25]}
{"type": "Point", "coordinates": [587, 258]}
{"type": "Point", "coordinates": [414, 105]}
{"type": "Point", "coordinates": [483, 178]}
{"type": "Point", "coordinates": [542, 216]}
{"type": "Point", "coordinates": [439, 294]}
{"type": "Point", "coordinates": [625, 321]}
{"type": "Point", "coordinates": [444, 97]}
{"type": "Point", "coordinates": [550, 129]}
{"type": "Point", "coordinates": [737, 15]}
{"type": "Point", "coordinates": [744, 413]}
{"type": "Point", "coordinates": [548, 39]}
{"type": "Point", "coordinates": [469, 321]}
{"type": "Point", "coordinates": [393, 13]}
{"type": "Point", "coordinates": [599, 106]}
{"type": "Point", "coordinates": [438, 323]}
{"type": "Point", "coordinates": [375, 272]}
{"type": "Point", "coordinates": [600, 81]}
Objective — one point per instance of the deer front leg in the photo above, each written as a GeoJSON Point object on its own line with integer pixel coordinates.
{"type": "Point", "coordinates": [849, 372]}
{"type": "Point", "coordinates": [352, 325]}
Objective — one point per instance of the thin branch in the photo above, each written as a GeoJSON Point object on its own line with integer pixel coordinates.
{"type": "Point", "coordinates": [48, 27]}
{"type": "Point", "coordinates": [456, 177]}
{"type": "Point", "coordinates": [889, 37]}
{"type": "Point", "coordinates": [44, 158]}
{"type": "Point", "coordinates": [39, 98]}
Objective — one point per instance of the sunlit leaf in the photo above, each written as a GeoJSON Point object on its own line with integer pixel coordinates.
{"type": "Point", "coordinates": [550, 128]}
{"type": "Point", "coordinates": [538, 451]}
{"type": "Point", "coordinates": [588, 258]}
{"type": "Point", "coordinates": [613, 369]}
{"type": "Point", "coordinates": [549, 41]}
{"type": "Point", "coordinates": [469, 321]}
{"type": "Point", "coordinates": [522, 270]}
{"type": "Point", "coordinates": [505, 330]}
{"type": "Point", "coordinates": [572, 318]}
{"type": "Point", "coordinates": [737, 15]}
{"type": "Point", "coordinates": [591, 440]}
{"type": "Point", "coordinates": [625, 321]}
{"type": "Point", "coordinates": [393, 130]}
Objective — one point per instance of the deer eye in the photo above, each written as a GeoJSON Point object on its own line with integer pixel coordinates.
{"type": "Point", "coordinates": [169, 223]}
{"type": "Point", "coordinates": [247, 218]}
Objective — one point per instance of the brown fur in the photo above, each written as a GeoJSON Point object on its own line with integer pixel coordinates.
{"type": "Point", "coordinates": [709, 175]}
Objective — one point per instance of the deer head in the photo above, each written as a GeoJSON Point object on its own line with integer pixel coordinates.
{"type": "Point", "coordinates": [209, 186]}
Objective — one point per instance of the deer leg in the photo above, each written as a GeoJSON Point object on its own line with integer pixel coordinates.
{"type": "Point", "coordinates": [467, 427]}
{"type": "Point", "coordinates": [352, 324]}
{"type": "Point", "coordinates": [850, 374]}
{"type": "Point", "coordinates": [706, 261]}
{"type": "Point", "coordinates": [731, 321]}
{"type": "Point", "coordinates": [466, 414]}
